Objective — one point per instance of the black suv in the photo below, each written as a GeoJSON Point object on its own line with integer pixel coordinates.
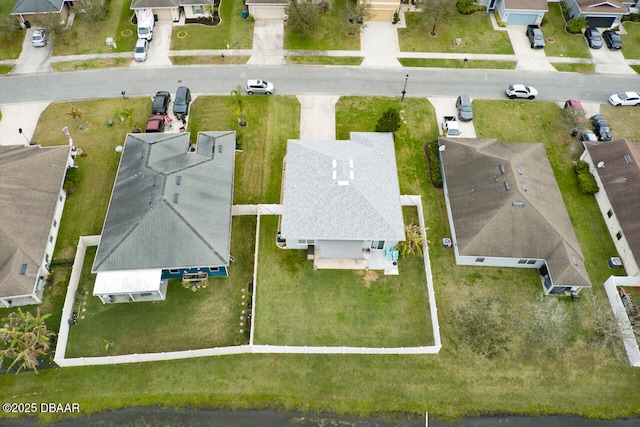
{"type": "Point", "coordinates": [602, 128]}
{"type": "Point", "coordinates": [535, 36]}
{"type": "Point", "coordinates": [161, 102]}
{"type": "Point", "coordinates": [181, 104]}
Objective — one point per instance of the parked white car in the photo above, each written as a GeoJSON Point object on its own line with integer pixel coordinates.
{"type": "Point", "coordinates": [140, 52]}
{"type": "Point", "coordinates": [39, 37]}
{"type": "Point", "coordinates": [259, 86]}
{"type": "Point", "coordinates": [521, 91]}
{"type": "Point", "coordinates": [624, 98]}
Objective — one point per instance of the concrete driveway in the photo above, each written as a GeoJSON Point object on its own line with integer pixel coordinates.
{"type": "Point", "coordinates": [34, 59]}
{"type": "Point", "coordinates": [446, 106]}
{"type": "Point", "coordinates": [158, 54]}
{"type": "Point", "coordinates": [268, 42]}
{"type": "Point", "coordinates": [610, 61]}
{"type": "Point", "coordinates": [318, 117]}
{"type": "Point", "coordinates": [379, 45]}
{"type": "Point", "coordinates": [528, 59]}
{"type": "Point", "coordinates": [23, 116]}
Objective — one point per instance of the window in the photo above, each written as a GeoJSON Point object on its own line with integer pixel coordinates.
{"type": "Point", "coordinates": [197, 9]}
{"type": "Point", "coordinates": [619, 235]}
{"type": "Point", "coordinates": [610, 213]}
{"type": "Point", "coordinates": [174, 271]}
{"type": "Point", "coordinates": [306, 242]}
{"type": "Point", "coordinates": [50, 239]}
{"type": "Point", "coordinates": [60, 198]}
{"type": "Point", "coordinates": [531, 261]}
{"type": "Point", "coordinates": [479, 259]}
{"type": "Point", "coordinates": [522, 261]}
{"type": "Point", "coordinates": [55, 223]}
{"type": "Point", "coordinates": [377, 244]}
{"type": "Point", "coordinates": [213, 269]}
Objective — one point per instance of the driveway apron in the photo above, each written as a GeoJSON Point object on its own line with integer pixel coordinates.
{"type": "Point", "coordinates": [318, 117]}
{"type": "Point", "coordinates": [528, 59]}
{"type": "Point", "coordinates": [268, 42]}
{"type": "Point", "coordinates": [34, 59]}
{"type": "Point", "coordinates": [20, 116]}
{"type": "Point", "coordinates": [379, 45]}
{"type": "Point", "coordinates": [158, 54]}
{"type": "Point", "coordinates": [610, 61]}
{"type": "Point", "coordinates": [446, 106]}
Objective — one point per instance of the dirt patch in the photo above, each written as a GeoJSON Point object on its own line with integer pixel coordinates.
{"type": "Point", "coordinates": [370, 276]}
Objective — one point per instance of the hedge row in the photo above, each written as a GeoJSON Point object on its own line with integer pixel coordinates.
{"type": "Point", "coordinates": [433, 155]}
{"type": "Point", "coordinates": [586, 182]}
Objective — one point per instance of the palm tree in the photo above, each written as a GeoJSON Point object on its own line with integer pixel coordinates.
{"type": "Point", "coordinates": [237, 101]}
{"type": "Point", "coordinates": [413, 242]}
{"type": "Point", "coordinates": [27, 339]}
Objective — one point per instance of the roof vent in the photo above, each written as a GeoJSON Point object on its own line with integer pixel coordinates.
{"type": "Point", "coordinates": [506, 185]}
{"type": "Point", "coordinates": [178, 179]}
{"type": "Point", "coordinates": [600, 165]}
{"type": "Point", "coordinates": [501, 168]}
{"type": "Point", "coordinates": [175, 197]}
{"type": "Point", "coordinates": [627, 158]}
{"type": "Point", "coordinates": [155, 181]}
{"type": "Point", "coordinates": [518, 204]}
{"type": "Point", "coordinates": [23, 269]}
{"type": "Point", "coordinates": [519, 169]}
{"type": "Point", "coordinates": [142, 153]}
{"type": "Point", "coordinates": [219, 148]}
{"type": "Point", "coordinates": [152, 197]}
{"type": "Point", "coordinates": [574, 260]}
{"type": "Point", "coordinates": [524, 185]}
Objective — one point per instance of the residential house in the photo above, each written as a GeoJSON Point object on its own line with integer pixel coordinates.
{"type": "Point", "coordinates": [163, 10]}
{"type": "Point", "coordinates": [267, 9]}
{"type": "Point", "coordinates": [599, 13]}
{"type": "Point", "coordinates": [27, 10]}
{"type": "Point", "coordinates": [382, 10]}
{"type": "Point", "coordinates": [31, 206]}
{"type": "Point", "coordinates": [505, 210]}
{"type": "Point", "coordinates": [521, 12]}
{"type": "Point", "coordinates": [341, 202]}
{"type": "Point", "coordinates": [616, 167]}
{"type": "Point", "coordinates": [169, 215]}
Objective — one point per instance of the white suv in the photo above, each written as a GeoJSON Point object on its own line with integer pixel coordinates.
{"type": "Point", "coordinates": [259, 86]}
{"type": "Point", "coordinates": [140, 52]}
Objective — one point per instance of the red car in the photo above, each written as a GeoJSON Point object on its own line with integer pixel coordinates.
{"type": "Point", "coordinates": [155, 123]}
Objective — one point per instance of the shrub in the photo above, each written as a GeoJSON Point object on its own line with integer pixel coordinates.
{"type": "Point", "coordinates": [433, 156]}
{"type": "Point", "coordinates": [576, 24]}
{"type": "Point", "coordinates": [499, 21]}
{"type": "Point", "coordinates": [396, 18]}
{"type": "Point", "coordinates": [71, 180]}
{"type": "Point", "coordinates": [389, 121]}
{"type": "Point", "coordinates": [586, 182]}
{"type": "Point", "coordinates": [466, 7]}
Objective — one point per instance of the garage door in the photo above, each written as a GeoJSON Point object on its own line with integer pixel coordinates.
{"type": "Point", "coordinates": [600, 21]}
{"type": "Point", "coordinates": [382, 15]}
{"type": "Point", "coordinates": [521, 19]}
{"type": "Point", "coordinates": [263, 12]}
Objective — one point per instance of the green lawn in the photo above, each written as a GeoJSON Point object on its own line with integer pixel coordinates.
{"type": "Point", "coordinates": [91, 64]}
{"type": "Point", "coordinates": [232, 31]}
{"type": "Point", "coordinates": [631, 40]}
{"type": "Point", "coordinates": [457, 63]}
{"type": "Point", "coordinates": [324, 60]}
{"type": "Point", "coordinates": [623, 121]}
{"type": "Point", "coordinates": [208, 60]}
{"type": "Point", "coordinates": [575, 68]}
{"type": "Point", "coordinates": [476, 32]}
{"type": "Point", "coordinates": [565, 44]}
{"type": "Point", "coordinates": [10, 47]}
{"type": "Point", "coordinates": [328, 35]}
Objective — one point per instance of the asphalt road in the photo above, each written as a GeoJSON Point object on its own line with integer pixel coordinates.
{"type": "Point", "coordinates": [220, 80]}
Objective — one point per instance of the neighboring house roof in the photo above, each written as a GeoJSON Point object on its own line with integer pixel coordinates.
{"type": "Point", "coordinates": [529, 220]}
{"type": "Point", "coordinates": [537, 5]}
{"type": "Point", "coordinates": [599, 6]}
{"type": "Point", "coordinates": [37, 6]}
{"type": "Point", "coordinates": [27, 206]}
{"type": "Point", "coordinates": [621, 181]}
{"type": "Point", "coordinates": [268, 2]}
{"type": "Point", "coordinates": [170, 208]}
{"type": "Point", "coordinates": [342, 190]}
{"type": "Point", "coordinates": [154, 4]}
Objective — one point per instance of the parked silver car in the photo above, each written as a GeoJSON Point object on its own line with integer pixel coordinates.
{"type": "Point", "coordinates": [140, 51]}
{"type": "Point", "coordinates": [39, 37]}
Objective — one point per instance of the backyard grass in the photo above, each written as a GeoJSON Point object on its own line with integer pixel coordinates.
{"type": "Point", "coordinates": [328, 36]}
{"type": "Point", "coordinates": [565, 44]}
{"type": "Point", "coordinates": [623, 121]}
{"type": "Point", "coordinates": [85, 36]}
{"type": "Point", "coordinates": [324, 60]}
{"type": "Point", "coordinates": [209, 317]}
{"type": "Point", "coordinates": [575, 68]}
{"type": "Point", "coordinates": [476, 32]}
{"type": "Point", "coordinates": [631, 40]}
{"type": "Point", "coordinates": [10, 49]}
{"type": "Point", "coordinates": [232, 32]}
{"type": "Point", "coordinates": [457, 63]}
{"type": "Point", "coordinates": [208, 60]}
{"type": "Point", "coordinates": [91, 64]}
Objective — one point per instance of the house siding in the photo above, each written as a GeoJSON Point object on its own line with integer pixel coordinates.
{"type": "Point", "coordinates": [170, 274]}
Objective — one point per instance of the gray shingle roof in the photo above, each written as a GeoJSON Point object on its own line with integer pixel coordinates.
{"type": "Point", "coordinates": [154, 4]}
{"type": "Point", "coordinates": [488, 224]}
{"type": "Point", "coordinates": [621, 181]}
{"type": "Point", "coordinates": [170, 208]}
{"type": "Point", "coordinates": [342, 190]}
{"type": "Point", "coordinates": [27, 205]}
{"type": "Point", "coordinates": [37, 6]}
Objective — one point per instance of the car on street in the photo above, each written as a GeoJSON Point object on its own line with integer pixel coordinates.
{"type": "Point", "coordinates": [259, 86]}
{"type": "Point", "coordinates": [39, 37]}
{"type": "Point", "coordinates": [601, 128]}
{"type": "Point", "coordinates": [181, 103]}
{"type": "Point", "coordinates": [463, 105]}
{"type": "Point", "coordinates": [594, 39]}
{"type": "Point", "coordinates": [536, 39]}
{"type": "Point", "coordinates": [521, 91]}
{"type": "Point", "coordinates": [140, 51]}
{"type": "Point", "coordinates": [161, 102]}
{"type": "Point", "coordinates": [624, 98]}
{"type": "Point", "coordinates": [155, 123]}
{"type": "Point", "coordinates": [612, 39]}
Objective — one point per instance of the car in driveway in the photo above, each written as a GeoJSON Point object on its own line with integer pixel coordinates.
{"type": "Point", "coordinates": [601, 128]}
{"type": "Point", "coordinates": [463, 105]}
{"type": "Point", "coordinates": [521, 91]}
{"type": "Point", "coordinates": [624, 98]}
{"type": "Point", "coordinates": [259, 86]}
{"type": "Point", "coordinates": [612, 39]}
{"type": "Point", "coordinates": [575, 109]}
{"type": "Point", "coordinates": [39, 37]}
{"type": "Point", "coordinates": [594, 39]}
{"type": "Point", "coordinates": [155, 123]}
{"type": "Point", "coordinates": [161, 102]}
{"type": "Point", "coordinates": [587, 136]}
{"type": "Point", "coordinates": [140, 51]}
{"type": "Point", "coordinates": [181, 103]}
{"type": "Point", "coordinates": [536, 39]}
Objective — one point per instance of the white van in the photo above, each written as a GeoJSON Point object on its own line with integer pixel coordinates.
{"type": "Point", "coordinates": [140, 52]}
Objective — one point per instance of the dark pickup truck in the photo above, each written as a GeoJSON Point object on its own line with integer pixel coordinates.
{"type": "Point", "coordinates": [535, 36]}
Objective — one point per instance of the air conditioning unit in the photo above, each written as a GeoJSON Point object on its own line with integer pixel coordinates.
{"type": "Point", "coordinates": [446, 242]}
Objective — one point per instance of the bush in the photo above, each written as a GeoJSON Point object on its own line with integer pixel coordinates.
{"type": "Point", "coordinates": [396, 18]}
{"type": "Point", "coordinates": [466, 7]}
{"type": "Point", "coordinates": [389, 121]}
{"type": "Point", "coordinates": [71, 180]}
{"type": "Point", "coordinates": [576, 24]}
{"type": "Point", "coordinates": [433, 156]}
{"type": "Point", "coordinates": [586, 182]}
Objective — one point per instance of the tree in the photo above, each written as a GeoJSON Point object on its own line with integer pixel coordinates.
{"type": "Point", "coordinates": [27, 339]}
{"type": "Point", "coordinates": [389, 121]}
{"type": "Point", "coordinates": [9, 26]}
{"type": "Point", "coordinates": [212, 10]}
{"type": "Point", "coordinates": [481, 323]}
{"type": "Point", "coordinates": [605, 331]}
{"type": "Point", "coordinates": [237, 101]}
{"type": "Point", "coordinates": [354, 16]}
{"type": "Point", "coordinates": [437, 12]}
{"type": "Point", "coordinates": [413, 241]}
{"type": "Point", "coordinates": [575, 25]}
{"type": "Point", "coordinates": [303, 18]}
{"type": "Point", "coordinates": [96, 10]}
{"type": "Point", "coordinates": [546, 325]}
{"type": "Point", "coordinates": [124, 114]}
{"type": "Point", "coordinates": [54, 26]}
